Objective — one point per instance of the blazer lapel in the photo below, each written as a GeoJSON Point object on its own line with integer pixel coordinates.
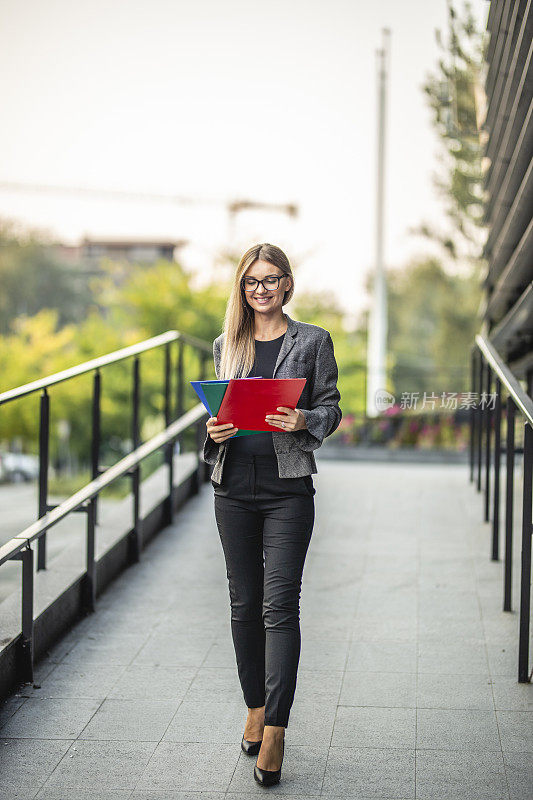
{"type": "Point", "coordinates": [288, 342]}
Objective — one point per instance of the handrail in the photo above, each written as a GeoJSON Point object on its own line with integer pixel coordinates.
{"type": "Point", "coordinates": [177, 422]}
{"type": "Point", "coordinates": [94, 487]}
{"type": "Point", "coordinates": [521, 399]}
{"type": "Point", "coordinates": [103, 361]}
{"type": "Point", "coordinates": [485, 454]}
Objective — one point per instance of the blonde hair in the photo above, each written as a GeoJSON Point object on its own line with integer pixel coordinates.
{"type": "Point", "coordinates": [238, 351]}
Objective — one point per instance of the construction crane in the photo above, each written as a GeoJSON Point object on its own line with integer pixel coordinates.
{"type": "Point", "coordinates": [233, 207]}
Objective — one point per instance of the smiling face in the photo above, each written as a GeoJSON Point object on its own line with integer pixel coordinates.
{"type": "Point", "coordinates": [270, 299]}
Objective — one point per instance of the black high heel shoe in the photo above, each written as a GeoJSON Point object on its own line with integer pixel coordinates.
{"type": "Point", "coordinates": [251, 748]}
{"type": "Point", "coordinates": [268, 777]}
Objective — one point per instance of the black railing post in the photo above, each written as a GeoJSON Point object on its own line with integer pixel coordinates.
{"type": "Point", "coordinates": [497, 453]}
{"type": "Point", "coordinates": [95, 443]}
{"type": "Point", "coordinates": [89, 589]}
{"type": "Point", "coordinates": [44, 447]}
{"type": "Point", "coordinates": [26, 644]}
{"type": "Point", "coordinates": [525, 580]}
{"type": "Point", "coordinates": [203, 468]}
{"type": "Point", "coordinates": [169, 450]}
{"type": "Point", "coordinates": [136, 544]}
{"type": "Point", "coordinates": [27, 612]}
{"type": "Point", "coordinates": [472, 412]}
{"type": "Point", "coordinates": [488, 442]}
{"type": "Point", "coordinates": [509, 501]}
{"type": "Point", "coordinates": [180, 406]}
{"type": "Point", "coordinates": [198, 440]}
{"type": "Point", "coordinates": [480, 413]}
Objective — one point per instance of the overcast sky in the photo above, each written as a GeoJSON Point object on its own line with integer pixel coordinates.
{"type": "Point", "coordinates": [269, 100]}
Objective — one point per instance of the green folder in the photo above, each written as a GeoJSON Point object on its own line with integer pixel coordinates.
{"type": "Point", "coordinates": [214, 393]}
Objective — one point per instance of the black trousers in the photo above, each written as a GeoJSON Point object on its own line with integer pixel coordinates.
{"type": "Point", "coordinates": [265, 524]}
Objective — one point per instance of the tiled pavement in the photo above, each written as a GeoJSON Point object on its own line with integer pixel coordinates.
{"type": "Point", "coordinates": [407, 683]}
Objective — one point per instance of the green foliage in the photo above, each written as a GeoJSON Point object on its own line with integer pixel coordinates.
{"type": "Point", "coordinates": [161, 297]}
{"type": "Point", "coordinates": [32, 278]}
{"type": "Point", "coordinates": [433, 317]}
{"type": "Point", "coordinates": [455, 95]}
{"type": "Point", "coordinates": [350, 348]}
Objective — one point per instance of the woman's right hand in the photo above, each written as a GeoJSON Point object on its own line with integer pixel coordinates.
{"type": "Point", "coordinates": [219, 433]}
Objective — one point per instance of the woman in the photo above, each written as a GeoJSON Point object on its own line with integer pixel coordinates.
{"type": "Point", "coordinates": [264, 493]}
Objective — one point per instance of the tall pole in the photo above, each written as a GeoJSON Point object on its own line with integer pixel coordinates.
{"type": "Point", "coordinates": [377, 331]}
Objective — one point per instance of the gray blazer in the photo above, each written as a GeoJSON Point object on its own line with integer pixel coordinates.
{"type": "Point", "coordinates": [306, 352]}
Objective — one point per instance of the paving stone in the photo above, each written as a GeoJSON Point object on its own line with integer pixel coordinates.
{"type": "Point", "coordinates": [446, 604]}
{"type": "Point", "coordinates": [131, 720]}
{"type": "Point", "coordinates": [330, 655]}
{"type": "Point", "coordinates": [68, 680]}
{"type": "Point", "coordinates": [503, 628]}
{"type": "Point", "coordinates": [375, 772]}
{"type": "Point", "coordinates": [516, 730]}
{"type": "Point", "coordinates": [179, 650]}
{"type": "Point", "coordinates": [435, 630]}
{"type": "Point", "coordinates": [384, 626]}
{"type": "Point", "coordinates": [163, 794]}
{"type": "Point", "coordinates": [27, 763]}
{"type": "Point", "coordinates": [453, 729]}
{"type": "Point", "coordinates": [452, 774]}
{"type": "Point", "coordinates": [503, 659]}
{"type": "Point", "coordinates": [389, 689]}
{"type": "Point", "coordinates": [51, 718]}
{"type": "Point", "coordinates": [377, 579]}
{"type": "Point", "coordinates": [95, 793]}
{"type": "Point", "coordinates": [382, 656]}
{"type": "Point", "coordinates": [214, 684]}
{"type": "Point", "coordinates": [198, 766]}
{"type": "Point", "coordinates": [91, 652]}
{"type": "Point", "coordinates": [453, 658]}
{"type": "Point", "coordinates": [153, 682]}
{"type": "Point", "coordinates": [519, 772]}
{"type": "Point", "coordinates": [311, 720]}
{"type": "Point", "coordinates": [221, 654]}
{"type": "Point", "coordinates": [323, 627]}
{"type": "Point", "coordinates": [10, 792]}
{"type": "Point", "coordinates": [454, 691]}
{"type": "Point", "coordinates": [208, 721]}
{"type": "Point", "coordinates": [87, 763]}
{"type": "Point", "coordinates": [374, 727]}
{"type": "Point", "coordinates": [399, 602]}
{"type": "Point", "coordinates": [316, 683]}
{"type": "Point", "coordinates": [510, 695]}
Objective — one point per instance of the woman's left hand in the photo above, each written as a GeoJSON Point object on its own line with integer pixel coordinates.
{"type": "Point", "coordinates": [292, 419]}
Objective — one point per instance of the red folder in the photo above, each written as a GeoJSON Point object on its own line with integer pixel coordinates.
{"type": "Point", "coordinates": [246, 403]}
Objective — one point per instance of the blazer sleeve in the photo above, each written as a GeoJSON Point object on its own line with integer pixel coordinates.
{"type": "Point", "coordinates": [211, 448]}
{"type": "Point", "coordinates": [324, 415]}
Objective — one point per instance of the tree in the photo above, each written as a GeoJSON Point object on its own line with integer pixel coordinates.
{"type": "Point", "coordinates": [323, 309]}
{"type": "Point", "coordinates": [432, 324]}
{"type": "Point", "coordinates": [32, 278]}
{"type": "Point", "coordinates": [456, 97]}
{"type": "Point", "coordinates": [160, 297]}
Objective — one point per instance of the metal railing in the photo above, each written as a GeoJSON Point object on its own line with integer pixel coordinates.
{"type": "Point", "coordinates": [485, 426]}
{"type": "Point", "coordinates": [176, 423]}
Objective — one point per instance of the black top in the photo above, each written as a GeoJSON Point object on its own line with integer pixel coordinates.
{"type": "Point", "coordinates": [266, 354]}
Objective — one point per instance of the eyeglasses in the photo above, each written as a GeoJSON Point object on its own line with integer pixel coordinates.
{"type": "Point", "coordinates": [270, 283]}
